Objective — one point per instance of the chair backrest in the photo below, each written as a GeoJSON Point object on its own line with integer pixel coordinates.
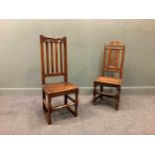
{"type": "Point", "coordinates": [53, 57]}
{"type": "Point", "coordinates": [114, 57]}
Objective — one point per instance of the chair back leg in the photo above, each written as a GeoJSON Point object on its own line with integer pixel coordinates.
{"type": "Point", "coordinates": [65, 99]}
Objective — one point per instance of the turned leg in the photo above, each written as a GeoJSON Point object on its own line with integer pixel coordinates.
{"type": "Point", "coordinates": [118, 98]}
{"type": "Point", "coordinates": [49, 111]}
{"type": "Point", "coordinates": [44, 98]}
{"type": "Point", "coordinates": [94, 94]}
{"type": "Point", "coordinates": [77, 101]}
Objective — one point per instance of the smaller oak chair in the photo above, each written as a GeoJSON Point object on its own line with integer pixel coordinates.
{"type": "Point", "coordinates": [53, 64]}
{"type": "Point", "coordinates": [113, 62]}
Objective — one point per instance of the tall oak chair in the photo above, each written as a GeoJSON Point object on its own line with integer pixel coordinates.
{"type": "Point", "coordinates": [53, 64]}
{"type": "Point", "coordinates": [113, 62]}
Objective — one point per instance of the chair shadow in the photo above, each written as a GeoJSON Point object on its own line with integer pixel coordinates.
{"type": "Point", "coordinates": [105, 101]}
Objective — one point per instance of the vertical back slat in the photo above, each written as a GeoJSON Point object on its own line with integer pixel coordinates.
{"type": "Point", "coordinates": [61, 61]}
{"type": "Point", "coordinates": [52, 58]}
{"type": "Point", "coordinates": [47, 57]}
{"type": "Point", "coordinates": [56, 56]}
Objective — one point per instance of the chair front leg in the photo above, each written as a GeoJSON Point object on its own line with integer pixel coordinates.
{"type": "Point", "coordinates": [49, 111]}
{"type": "Point", "coordinates": [118, 97]}
{"type": "Point", "coordinates": [94, 94]}
{"type": "Point", "coordinates": [77, 102]}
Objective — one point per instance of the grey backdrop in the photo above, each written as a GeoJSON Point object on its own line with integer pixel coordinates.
{"type": "Point", "coordinates": [20, 51]}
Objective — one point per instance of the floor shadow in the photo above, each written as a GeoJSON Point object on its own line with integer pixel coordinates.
{"type": "Point", "coordinates": [105, 101]}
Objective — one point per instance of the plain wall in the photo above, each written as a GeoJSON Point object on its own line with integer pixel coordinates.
{"type": "Point", "coordinates": [20, 50]}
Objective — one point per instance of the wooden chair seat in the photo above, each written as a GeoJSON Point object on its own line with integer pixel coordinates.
{"type": "Point", "coordinates": [108, 80]}
{"type": "Point", "coordinates": [57, 88]}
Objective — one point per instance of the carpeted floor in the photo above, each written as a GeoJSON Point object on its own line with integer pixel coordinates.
{"type": "Point", "coordinates": [23, 115]}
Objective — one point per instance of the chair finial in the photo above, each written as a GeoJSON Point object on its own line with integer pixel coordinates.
{"type": "Point", "coordinates": [116, 43]}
